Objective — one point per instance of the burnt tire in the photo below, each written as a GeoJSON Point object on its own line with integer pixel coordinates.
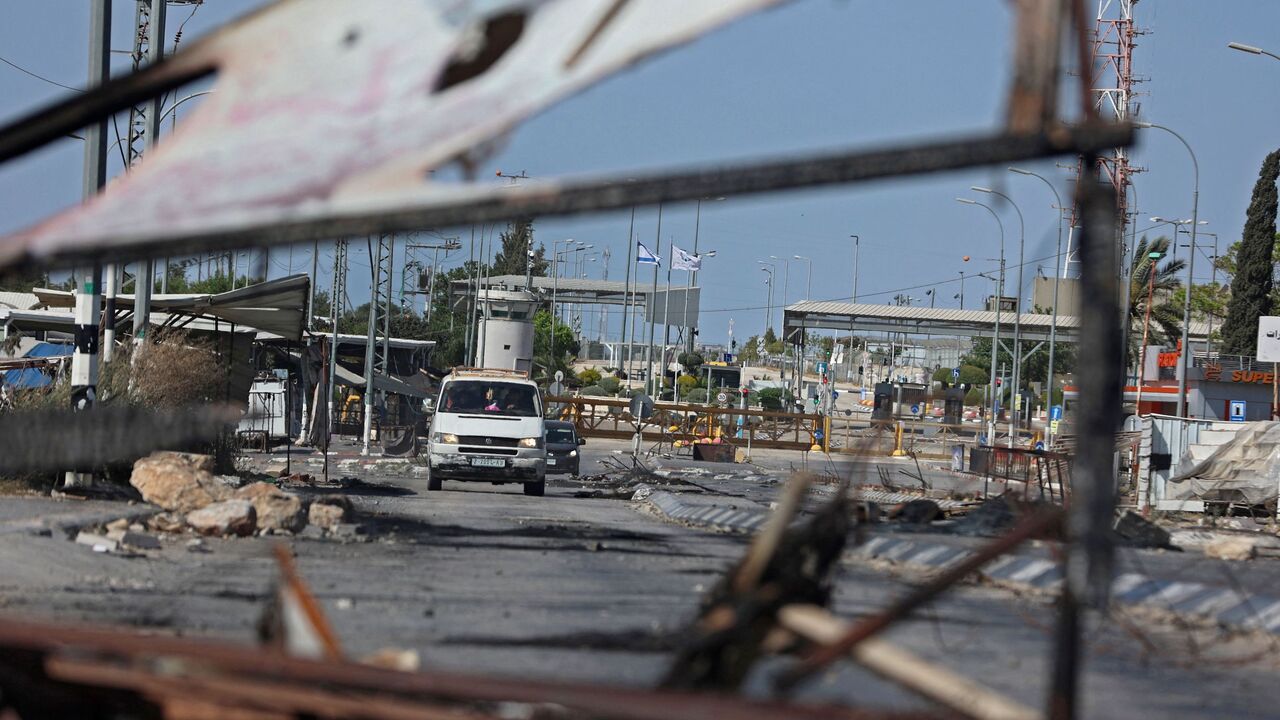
{"type": "Point", "coordinates": [535, 489]}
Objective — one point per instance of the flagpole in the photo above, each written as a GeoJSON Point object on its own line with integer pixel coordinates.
{"type": "Point", "coordinates": [657, 253]}
{"type": "Point", "coordinates": [626, 299]}
{"type": "Point", "coordinates": [666, 314]}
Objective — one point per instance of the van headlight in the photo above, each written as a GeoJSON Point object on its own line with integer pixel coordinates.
{"type": "Point", "coordinates": [573, 453]}
{"type": "Point", "coordinates": [533, 442]}
{"type": "Point", "coordinates": [446, 438]}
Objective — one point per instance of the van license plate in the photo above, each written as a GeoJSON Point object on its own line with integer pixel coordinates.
{"type": "Point", "coordinates": [551, 461]}
{"type": "Point", "coordinates": [488, 462]}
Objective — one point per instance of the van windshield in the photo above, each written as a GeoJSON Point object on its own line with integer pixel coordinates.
{"type": "Point", "coordinates": [486, 397]}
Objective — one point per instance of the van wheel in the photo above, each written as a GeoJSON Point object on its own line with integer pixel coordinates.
{"type": "Point", "coordinates": [433, 481]}
{"type": "Point", "coordinates": [535, 489]}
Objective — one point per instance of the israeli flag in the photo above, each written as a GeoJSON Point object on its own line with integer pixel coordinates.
{"type": "Point", "coordinates": [645, 257]}
{"type": "Point", "coordinates": [682, 260]}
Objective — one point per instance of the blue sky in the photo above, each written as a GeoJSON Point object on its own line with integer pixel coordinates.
{"type": "Point", "coordinates": [814, 74]}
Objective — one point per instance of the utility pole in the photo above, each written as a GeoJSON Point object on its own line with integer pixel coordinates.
{"type": "Point", "coordinates": [380, 267]}
{"type": "Point", "coordinates": [337, 304]}
{"type": "Point", "coordinates": [155, 12]}
{"type": "Point", "coordinates": [84, 359]}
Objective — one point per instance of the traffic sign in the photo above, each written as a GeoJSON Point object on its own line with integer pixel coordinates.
{"type": "Point", "coordinates": [915, 409]}
{"type": "Point", "coordinates": [559, 375]}
{"type": "Point", "coordinates": [955, 373]}
{"type": "Point", "coordinates": [1238, 410]}
{"type": "Point", "coordinates": [722, 397]}
{"type": "Point", "coordinates": [1053, 426]}
{"type": "Point", "coordinates": [1039, 445]}
{"type": "Point", "coordinates": [1017, 401]}
{"type": "Point", "coordinates": [1055, 412]}
{"type": "Point", "coordinates": [822, 368]}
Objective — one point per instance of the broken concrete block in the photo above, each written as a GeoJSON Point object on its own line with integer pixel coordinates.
{"type": "Point", "coordinates": [275, 509]}
{"type": "Point", "coordinates": [326, 516]}
{"type": "Point", "coordinates": [120, 524]}
{"type": "Point", "coordinates": [99, 543]}
{"type": "Point", "coordinates": [1137, 531]}
{"type": "Point", "coordinates": [394, 659]}
{"type": "Point", "coordinates": [228, 517]}
{"type": "Point", "coordinates": [139, 541]}
{"type": "Point", "coordinates": [178, 481]}
{"type": "Point", "coordinates": [312, 532]}
{"type": "Point", "coordinates": [166, 522]}
{"type": "Point", "coordinates": [1232, 549]}
{"type": "Point", "coordinates": [346, 531]}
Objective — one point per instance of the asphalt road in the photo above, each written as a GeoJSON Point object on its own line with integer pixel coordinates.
{"type": "Point", "coordinates": [485, 579]}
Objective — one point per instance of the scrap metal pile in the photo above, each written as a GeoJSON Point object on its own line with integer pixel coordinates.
{"type": "Point", "coordinates": [372, 97]}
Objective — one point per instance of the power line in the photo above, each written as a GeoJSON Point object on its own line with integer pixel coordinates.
{"type": "Point", "coordinates": [37, 76]}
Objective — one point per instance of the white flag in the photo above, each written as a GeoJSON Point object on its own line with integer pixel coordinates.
{"type": "Point", "coordinates": [681, 260]}
{"type": "Point", "coordinates": [645, 257]}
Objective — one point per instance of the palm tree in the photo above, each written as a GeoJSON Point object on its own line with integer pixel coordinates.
{"type": "Point", "coordinates": [1166, 315]}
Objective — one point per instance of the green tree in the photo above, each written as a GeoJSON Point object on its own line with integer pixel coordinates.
{"type": "Point", "coordinates": [691, 361]}
{"type": "Point", "coordinates": [566, 346]}
{"type": "Point", "coordinates": [1166, 314]}
{"type": "Point", "coordinates": [513, 257]}
{"type": "Point", "coordinates": [969, 374]}
{"type": "Point", "coordinates": [1252, 284]}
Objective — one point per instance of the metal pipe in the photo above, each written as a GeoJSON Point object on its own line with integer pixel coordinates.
{"type": "Point", "coordinates": [1057, 276]}
{"type": "Point", "coordinates": [1017, 316]}
{"type": "Point", "coordinates": [995, 337]}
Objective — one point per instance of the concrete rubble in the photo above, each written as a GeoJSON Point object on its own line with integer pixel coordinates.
{"type": "Point", "coordinates": [275, 509]}
{"type": "Point", "coordinates": [1236, 549]}
{"type": "Point", "coordinates": [179, 482]}
{"type": "Point", "coordinates": [227, 517]}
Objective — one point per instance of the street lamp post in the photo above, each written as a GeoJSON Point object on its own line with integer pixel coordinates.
{"type": "Point", "coordinates": [1057, 275]}
{"type": "Point", "coordinates": [1185, 360]}
{"type": "Point", "coordinates": [1251, 49]}
{"type": "Point", "coordinates": [1017, 315]}
{"type": "Point", "coordinates": [995, 338]}
{"type": "Point", "coordinates": [853, 300]}
{"type": "Point", "coordinates": [555, 284]}
{"type": "Point", "coordinates": [768, 313]}
{"type": "Point", "coordinates": [808, 275]}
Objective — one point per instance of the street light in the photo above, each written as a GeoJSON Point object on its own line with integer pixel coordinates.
{"type": "Point", "coordinates": [1017, 316]}
{"type": "Point", "coordinates": [768, 313]}
{"type": "Point", "coordinates": [1185, 360]}
{"type": "Point", "coordinates": [1251, 49]}
{"type": "Point", "coordinates": [808, 278]}
{"type": "Point", "coordinates": [995, 339]}
{"type": "Point", "coordinates": [1057, 274]}
{"type": "Point", "coordinates": [555, 282]}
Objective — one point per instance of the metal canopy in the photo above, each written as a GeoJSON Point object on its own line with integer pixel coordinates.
{"type": "Point", "coordinates": [572, 291]}
{"type": "Point", "coordinates": [276, 306]}
{"type": "Point", "coordinates": [866, 317]}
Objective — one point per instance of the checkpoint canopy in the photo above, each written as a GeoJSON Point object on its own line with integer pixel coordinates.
{"type": "Point", "coordinates": [580, 291]}
{"type": "Point", "coordinates": [867, 317]}
{"type": "Point", "coordinates": [277, 306]}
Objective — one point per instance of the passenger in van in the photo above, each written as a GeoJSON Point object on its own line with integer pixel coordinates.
{"type": "Point", "coordinates": [491, 401]}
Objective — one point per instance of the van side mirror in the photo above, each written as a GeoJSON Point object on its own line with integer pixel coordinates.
{"type": "Point", "coordinates": [582, 441]}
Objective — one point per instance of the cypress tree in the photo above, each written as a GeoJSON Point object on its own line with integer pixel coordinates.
{"type": "Point", "coordinates": [1251, 286]}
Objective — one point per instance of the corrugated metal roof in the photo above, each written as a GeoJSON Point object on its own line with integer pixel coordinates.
{"type": "Point", "coordinates": [18, 300]}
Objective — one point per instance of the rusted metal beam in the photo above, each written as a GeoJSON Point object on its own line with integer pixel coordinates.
{"type": "Point", "coordinates": [571, 197]}
{"type": "Point", "coordinates": [1039, 524]}
{"type": "Point", "coordinates": [228, 660]}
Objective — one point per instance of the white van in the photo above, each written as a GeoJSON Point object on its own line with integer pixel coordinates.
{"type": "Point", "coordinates": [488, 427]}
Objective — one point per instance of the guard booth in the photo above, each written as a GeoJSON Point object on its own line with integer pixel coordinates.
{"type": "Point", "coordinates": [953, 405]}
{"type": "Point", "coordinates": [882, 408]}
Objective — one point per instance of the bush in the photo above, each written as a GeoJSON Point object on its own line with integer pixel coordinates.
{"type": "Point", "coordinates": [610, 385]}
{"type": "Point", "coordinates": [772, 398]}
{"type": "Point", "coordinates": [589, 376]}
{"type": "Point", "coordinates": [696, 396]}
{"type": "Point", "coordinates": [973, 397]}
{"type": "Point", "coordinates": [686, 383]}
{"type": "Point", "coordinates": [593, 390]}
